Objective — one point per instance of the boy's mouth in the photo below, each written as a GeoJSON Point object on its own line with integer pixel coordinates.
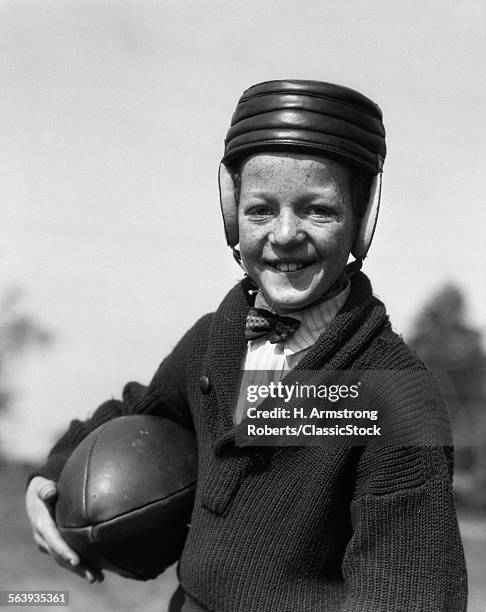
{"type": "Point", "coordinates": [289, 266]}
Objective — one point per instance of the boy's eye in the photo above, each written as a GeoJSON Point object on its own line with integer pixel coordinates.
{"type": "Point", "coordinates": [259, 210]}
{"type": "Point", "coordinates": [319, 210]}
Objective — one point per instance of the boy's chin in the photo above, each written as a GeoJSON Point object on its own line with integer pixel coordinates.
{"type": "Point", "coordinates": [290, 303]}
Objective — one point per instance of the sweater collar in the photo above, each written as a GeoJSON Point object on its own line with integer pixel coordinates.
{"type": "Point", "coordinates": [361, 317]}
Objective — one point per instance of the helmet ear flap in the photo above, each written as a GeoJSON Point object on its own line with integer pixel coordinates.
{"type": "Point", "coordinates": [368, 222]}
{"type": "Point", "coordinates": [229, 208]}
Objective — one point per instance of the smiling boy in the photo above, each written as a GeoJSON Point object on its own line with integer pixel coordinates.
{"type": "Point", "coordinates": [337, 528]}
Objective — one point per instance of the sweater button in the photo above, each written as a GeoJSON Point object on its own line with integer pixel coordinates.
{"type": "Point", "coordinates": [204, 384]}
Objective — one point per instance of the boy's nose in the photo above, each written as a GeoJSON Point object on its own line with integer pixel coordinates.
{"type": "Point", "coordinates": [287, 230]}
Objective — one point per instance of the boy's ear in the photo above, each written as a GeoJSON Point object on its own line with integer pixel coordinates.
{"type": "Point", "coordinates": [229, 208]}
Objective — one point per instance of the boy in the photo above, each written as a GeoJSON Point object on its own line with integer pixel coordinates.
{"type": "Point", "coordinates": [301, 528]}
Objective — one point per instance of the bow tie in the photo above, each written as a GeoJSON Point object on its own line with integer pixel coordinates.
{"type": "Point", "coordinates": [260, 322]}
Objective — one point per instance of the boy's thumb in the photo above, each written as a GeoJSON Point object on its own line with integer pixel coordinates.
{"type": "Point", "coordinates": [47, 491]}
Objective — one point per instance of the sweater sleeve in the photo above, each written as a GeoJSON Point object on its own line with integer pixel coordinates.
{"type": "Point", "coordinates": [406, 553]}
{"type": "Point", "coordinates": [165, 396]}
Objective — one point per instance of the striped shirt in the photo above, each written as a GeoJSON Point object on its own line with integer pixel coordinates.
{"type": "Point", "coordinates": [265, 362]}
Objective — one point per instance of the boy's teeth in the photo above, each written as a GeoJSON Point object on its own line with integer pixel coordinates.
{"type": "Point", "coordinates": [289, 267]}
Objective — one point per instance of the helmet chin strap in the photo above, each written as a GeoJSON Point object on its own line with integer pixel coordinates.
{"type": "Point", "coordinates": [349, 271]}
{"type": "Point", "coordinates": [237, 258]}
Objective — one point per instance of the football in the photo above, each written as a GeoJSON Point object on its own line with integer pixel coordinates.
{"type": "Point", "coordinates": [126, 493]}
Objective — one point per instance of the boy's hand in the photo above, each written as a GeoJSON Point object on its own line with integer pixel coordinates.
{"type": "Point", "coordinates": [39, 501]}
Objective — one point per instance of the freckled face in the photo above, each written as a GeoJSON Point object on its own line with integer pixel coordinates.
{"type": "Point", "coordinates": [296, 225]}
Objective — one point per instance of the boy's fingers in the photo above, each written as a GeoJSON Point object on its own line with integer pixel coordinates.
{"type": "Point", "coordinates": [39, 501]}
{"type": "Point", "coordinates": [98, 574]}
{"type": "Point", "coordinates": [63, 554]}
{"type": "Point", "coordinates": [41, 543]}
{"type": "Point", "coordinates": [52, 538]}
{"type": "Point", "coordinates": [68, 562]}
{"type": "Point", "coordinates": [89, 573]}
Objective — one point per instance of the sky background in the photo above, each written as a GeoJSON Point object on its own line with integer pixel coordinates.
{"type": "Point", "coordinates": [112, 121]}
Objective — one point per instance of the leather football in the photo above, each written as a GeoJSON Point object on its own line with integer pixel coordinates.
{"type": "Point", "coordinates": [125, 496]}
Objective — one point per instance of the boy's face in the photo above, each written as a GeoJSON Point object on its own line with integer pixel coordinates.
{"type": "Point", "coordinates": [296, 225]}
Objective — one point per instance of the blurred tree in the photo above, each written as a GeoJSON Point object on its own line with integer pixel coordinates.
{"type": "Point", "coordinates": [18, 333]}
{"type": "Point", "coordinates": [453, 348]}
{"type": "Point", "coordinates": [446, 342]}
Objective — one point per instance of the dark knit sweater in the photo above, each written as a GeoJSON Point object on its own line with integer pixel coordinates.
{"type": "Point", "coordinates": [342, 528]}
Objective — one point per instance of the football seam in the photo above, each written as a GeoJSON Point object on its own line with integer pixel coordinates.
{"type": "Point", "coordinates": [138, 508]}
{"type": "Point", "coordinates": [86, 473]}
{"type": "Point", "coordinates": [128, 512]}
